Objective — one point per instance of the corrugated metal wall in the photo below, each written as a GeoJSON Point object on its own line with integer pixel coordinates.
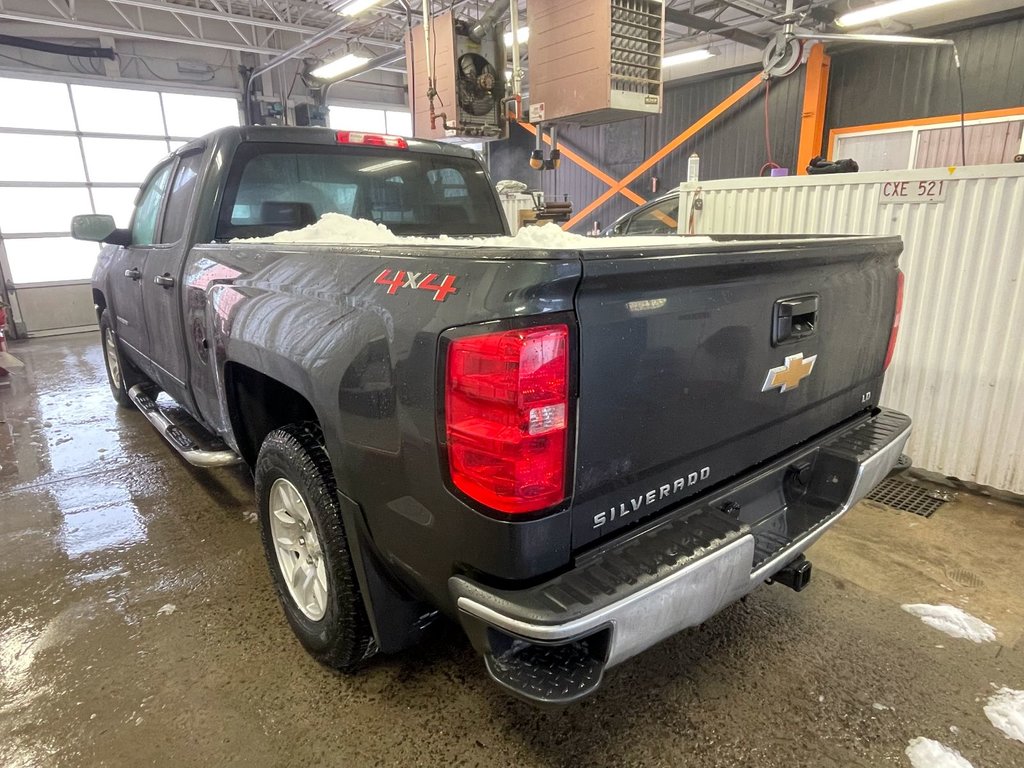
{"type": "Point", "coordinates": [867, 85]}
{"type": "Point", "coordinates": [876, 84]}
{"type": "Point", "coordinates": [730, 147]}
{"type": "Point", "coordinates": [959, 363]}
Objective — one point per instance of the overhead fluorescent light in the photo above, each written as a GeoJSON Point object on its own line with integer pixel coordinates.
{"type": "Point", "coordinates": [687, 57]}
{"type": "Point", "coordinates": [383, 166]}
{"type": "Point", "coordinates": [356, 7]}
{"type": "Point", "coordinates": [885, 11]}
{"type": "Point", "coordinates": [332, 69]}
{"type": "Point", "coordinates": [523, 36]}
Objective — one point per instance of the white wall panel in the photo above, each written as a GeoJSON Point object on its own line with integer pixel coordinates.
{"type": "Point", "coordinates": [958, 369]}
{"type": "Point", "coordinates": [512, 204]}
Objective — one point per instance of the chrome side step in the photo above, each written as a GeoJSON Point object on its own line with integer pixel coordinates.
{"type": "Point", "coordinates": [9, 362]}
{"type": "Point", "coordinates": [145, 399]}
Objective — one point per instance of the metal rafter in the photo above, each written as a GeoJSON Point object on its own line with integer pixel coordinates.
{"type": "Point", "coordinates": [257, 26]}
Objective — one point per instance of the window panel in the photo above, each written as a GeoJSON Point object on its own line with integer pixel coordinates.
{"type": "Point", "coordinates": [50, 105]}
{"type": "Point", "coordinates": [659, 219]}
{"type": "Point", "coordinates": [880, 152]}
{"type": "Point", "coordinates": [50, 259]}
{"type": "Point", "coordinates": [192, 116]}
{"type": "Point", "coordinates": [122, 160]}
{"type": "Point", "coordinates": [117, 110]}
{"type": "Point", "coordinates": [399, 123]}
{"type": "Point", "coordinates": [26, 157]}
{"type": "Point", "coordinates": [118, 202]}
{"type": "Point", "coordinates": [358, 119]}
{"type": "Point", "coordinates": [987, 144]}
{"type": "Point", "coordinates": [274, 187]}
{"type": "Point", "coordinates": [24, 210]}
{"type": "Point", "coordinates": [180, 197]}
{"type": "Point", "coordinates": [148, 213]}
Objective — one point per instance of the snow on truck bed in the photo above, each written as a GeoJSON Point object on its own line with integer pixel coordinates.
{"type": "Point", "coordinates": [339, 228]}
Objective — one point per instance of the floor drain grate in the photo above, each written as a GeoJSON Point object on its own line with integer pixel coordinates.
{"type": "Point", "coordinates": [900, 494]}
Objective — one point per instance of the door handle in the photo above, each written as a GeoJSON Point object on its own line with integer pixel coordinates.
{"type": "Point", "coordinates": [795, 318]}
{"type": "Point", "coordinates": [133, 273]}
{"type": "Point", "coordinates": [164, 280]}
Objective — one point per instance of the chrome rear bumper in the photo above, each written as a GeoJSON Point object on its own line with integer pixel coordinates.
{"type": "Point", "coordinates": [615, 621]}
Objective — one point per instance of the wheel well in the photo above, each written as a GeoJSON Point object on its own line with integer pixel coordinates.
{"type": "Point", "coordinates": [99, 301]}
{"type": "Point", "coordinates": [258, 405]}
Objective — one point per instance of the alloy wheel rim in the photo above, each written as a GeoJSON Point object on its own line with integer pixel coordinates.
{"type": "Point", "coordinates": [299, 555]}
{"type": "Point", "coordinates": [113, 363]}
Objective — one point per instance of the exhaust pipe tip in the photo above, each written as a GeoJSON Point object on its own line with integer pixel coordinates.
{"type": "Point", "coordinates": [796, 575]}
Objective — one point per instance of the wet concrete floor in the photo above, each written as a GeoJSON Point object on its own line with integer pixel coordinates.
{"type": "Point", "coordinates": [102, 526]}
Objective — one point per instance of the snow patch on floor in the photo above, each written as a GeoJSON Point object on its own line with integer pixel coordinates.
{"type": "Point", "coordinates": [341, 229]}
{"type": "Point", "coordinates": [953, 621]}
{"type": "Point", "coordinates": [928, 753]}
{"type": "Point", "coordinates": [1005, 710]}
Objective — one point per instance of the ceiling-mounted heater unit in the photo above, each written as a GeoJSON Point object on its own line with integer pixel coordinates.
{"type": "Point", "coordinates": [469, 80]}
{"type": "Point", "coordinates": [594, 61]}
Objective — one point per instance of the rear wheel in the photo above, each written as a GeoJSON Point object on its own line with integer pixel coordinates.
{"type": "Point", "coordinates": [121, 374]}
{"type": "Point", "coordinates": [306, 547]}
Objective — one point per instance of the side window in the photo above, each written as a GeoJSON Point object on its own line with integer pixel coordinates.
{"type": "Point", "coordinates": [183, 186]}
{"type": "Point", "coordinates": [659, 219]}
{"type": "Point", "coordinates": [147, 212]}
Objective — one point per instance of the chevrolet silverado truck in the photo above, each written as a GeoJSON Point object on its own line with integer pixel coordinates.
{"type": "Point", "coordinates": [573, 451]}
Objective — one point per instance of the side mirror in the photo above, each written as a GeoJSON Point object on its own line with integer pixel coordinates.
{"type": "Point", "coordinates": [98, 228]}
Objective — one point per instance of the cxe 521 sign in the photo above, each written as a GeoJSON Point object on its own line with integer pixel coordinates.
{"type": "Point", "coordinates": [927, 191]}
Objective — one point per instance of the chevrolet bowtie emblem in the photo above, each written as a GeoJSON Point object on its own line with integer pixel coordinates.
{"type": "Point", "coordinates": [788, 376]}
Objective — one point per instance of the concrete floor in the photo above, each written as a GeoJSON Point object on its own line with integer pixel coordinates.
{"type": "Point", "coordinates": [101, 525]}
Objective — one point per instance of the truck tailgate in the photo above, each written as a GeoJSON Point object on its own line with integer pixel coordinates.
{"type": "Point", "coordinates": [685, 380]}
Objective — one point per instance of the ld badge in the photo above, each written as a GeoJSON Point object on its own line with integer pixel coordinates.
{"type": "Point", "coordinates": [788, 376]}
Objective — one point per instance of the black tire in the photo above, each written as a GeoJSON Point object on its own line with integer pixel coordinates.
{"type": "Point", "coordinates": [127, 375]}
{"type": "Point", "coordinates": [342, 638]}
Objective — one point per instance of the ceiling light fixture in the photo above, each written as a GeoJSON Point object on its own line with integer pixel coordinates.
{"type": "Point", "coordinates": [383, 166]}
{"type": "Point", "coordinates": [524, 35]}
{"type": "Point", "coordinates": [885, 11]}
{"type": "Point", "coordinates": [356, 7]}
{"type": "Point", "coordinates": [332, 69]}
{"type": "Point", "coordinates": [687, 57]}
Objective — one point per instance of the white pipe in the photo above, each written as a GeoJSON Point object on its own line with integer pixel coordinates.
{"type": "Point", "coordinates": [517, 73]}
{"type": "Point", "coordinates": [426, 43]}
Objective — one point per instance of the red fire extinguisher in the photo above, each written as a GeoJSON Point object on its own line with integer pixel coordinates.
{"type": "Point", "coordinates": [3, 324]}
{"type": "Point", "coordinates": [3, 340]}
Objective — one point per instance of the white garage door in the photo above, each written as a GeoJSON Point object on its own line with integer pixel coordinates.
{"type": "Point", "coordinates": [73, 148]}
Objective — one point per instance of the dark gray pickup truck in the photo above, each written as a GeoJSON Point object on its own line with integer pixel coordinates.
{"type": "Point", "coordinates": [573, 451]}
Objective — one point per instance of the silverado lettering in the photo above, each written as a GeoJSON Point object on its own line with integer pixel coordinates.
{"type": "Point", "coordinates": [652, 496]}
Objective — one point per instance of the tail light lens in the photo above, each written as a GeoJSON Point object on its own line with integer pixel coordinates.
{"type": "Point", "coordinates": [371, 139]}
{"type": "Point", "coordinates": [506, 417]}
{"type": "Point", "coordinates": [895, 319]}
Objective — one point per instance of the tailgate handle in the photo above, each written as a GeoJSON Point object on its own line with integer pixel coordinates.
{"type": "Point", "coordinates": [794, 318]}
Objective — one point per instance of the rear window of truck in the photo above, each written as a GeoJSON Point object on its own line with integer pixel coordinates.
{"type": "Point", "coordinates": [276, 187]}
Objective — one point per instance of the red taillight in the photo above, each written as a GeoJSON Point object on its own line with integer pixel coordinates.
{"type": "Point", "coordinates": [895, 319]}
{"type": "Point", "coordinates": [506, 416]}
{"type": "Point", "coordinates": [371, 139]}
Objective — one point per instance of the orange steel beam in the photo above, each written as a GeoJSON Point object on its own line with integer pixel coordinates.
{"type": "Point", "coordinates": [812, 121]}
{"type": "Point", "coordinates": [666, 150]}
{"type": "Point", "coordinates": [593, 170]}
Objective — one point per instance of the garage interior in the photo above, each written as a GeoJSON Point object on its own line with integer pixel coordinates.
{"type": "Point", "coordinates": [138, 623]}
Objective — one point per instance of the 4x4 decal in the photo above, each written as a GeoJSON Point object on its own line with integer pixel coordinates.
{"type": "Point", "coordinates": [417, 281]}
